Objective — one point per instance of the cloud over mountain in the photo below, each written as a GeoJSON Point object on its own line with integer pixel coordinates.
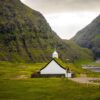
{"type": "Point", "coordinates": [46, 6]}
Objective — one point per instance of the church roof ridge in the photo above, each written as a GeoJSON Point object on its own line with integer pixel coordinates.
{"type": "Point", "coordinates": [55, 61]}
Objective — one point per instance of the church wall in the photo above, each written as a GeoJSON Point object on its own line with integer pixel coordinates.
{"type": "Point", "coordinates": [53, 68]}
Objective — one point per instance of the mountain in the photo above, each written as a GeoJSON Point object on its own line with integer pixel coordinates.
{"type": "Point", "coordinates": [25, 36]}
{"type": "Point", "coordinates": [89, 37]}
{"type": "Point", "coordinates": [75, 52]}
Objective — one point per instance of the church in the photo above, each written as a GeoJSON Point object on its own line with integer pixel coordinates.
{"type": "Point", "coordinates": [53, 68]}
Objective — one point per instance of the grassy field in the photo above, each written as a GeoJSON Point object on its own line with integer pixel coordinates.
{"type": "Point", "coordinates": [47, 89]}
{"type": "Point", "coordinates": [16, 84]}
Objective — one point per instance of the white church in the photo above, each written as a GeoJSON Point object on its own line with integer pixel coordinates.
{"type": "Point", "coordinates": [53, 68]}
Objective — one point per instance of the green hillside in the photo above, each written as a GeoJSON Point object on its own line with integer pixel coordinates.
{"type": "Point", "coordinates": [89, 37]}
{"type": "Point", "coordinates": [77, 52]}
{"type": "Point", "coordinates": [25, 36]}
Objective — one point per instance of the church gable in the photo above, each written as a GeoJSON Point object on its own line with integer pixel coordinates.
{"type": "Point", "coordinates": [53, 67]}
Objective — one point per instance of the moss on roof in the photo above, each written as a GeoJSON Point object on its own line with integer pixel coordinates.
{"type": "Point", "coordinates": [60, 62]}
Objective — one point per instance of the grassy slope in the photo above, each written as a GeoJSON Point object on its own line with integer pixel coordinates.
{"type": "Point", "coordinates": [25, 36]}
{"type": "Point", "coordinates": [24, 33]}
{"type": "Point", "coordinates": [46, 89]}
{"type": "Point", "coordinates": [89, 37]}
{"type": "Point", "coordinates": [13, 88]}
{"type": "Point", "coordinates": [78, 53]}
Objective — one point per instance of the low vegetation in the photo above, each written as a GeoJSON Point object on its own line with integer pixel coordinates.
{"type": "Point", "coordinates": [95, 81]}
{"type": "Point", "coordinates": [47, 89]}
{"type": "Point", "coordinates": [16, 84]}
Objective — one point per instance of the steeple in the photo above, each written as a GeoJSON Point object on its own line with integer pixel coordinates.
{"type": "Point", "coordinates": [55, 54]}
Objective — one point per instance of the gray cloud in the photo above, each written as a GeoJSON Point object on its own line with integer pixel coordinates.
{"type": "Point", "coordinates": [52, 6]}
{"type": "Point", "coordinates": [66, 17]}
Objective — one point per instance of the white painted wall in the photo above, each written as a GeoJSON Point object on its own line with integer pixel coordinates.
{"type": "Point", "coordinates": [53, 68]}
{"type": "Point", "coordinates": [69, 75]}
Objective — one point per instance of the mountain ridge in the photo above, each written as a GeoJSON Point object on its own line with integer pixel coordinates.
{"type": "Point", "coordinates": [89, 37]}
{"type": "Point", "coordinates": [25, 36]}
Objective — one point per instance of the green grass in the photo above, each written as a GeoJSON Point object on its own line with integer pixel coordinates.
{"type": "Point", "coordinates": [14, 88]}
{"type": "Point", "coordinates": [46, 89]}
{"type": "Point", "coordinates": [95, 81]}
{"type": "Point", "coordinates": [78, 68]}
{"type": "Point", "coordinates": [10, 70]}
{"type": "Point", "coordinates": [94, 64]}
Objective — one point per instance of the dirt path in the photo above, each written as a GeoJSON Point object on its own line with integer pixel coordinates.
{"type": "Point", "coordinates": [86, 80]}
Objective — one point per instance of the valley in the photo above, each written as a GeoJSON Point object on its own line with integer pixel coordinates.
{"type": "Point", "coordinates": [26, 46]}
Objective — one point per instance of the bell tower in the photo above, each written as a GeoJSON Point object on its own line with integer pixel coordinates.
{"type": "Point", "coordinates": [55, 54]}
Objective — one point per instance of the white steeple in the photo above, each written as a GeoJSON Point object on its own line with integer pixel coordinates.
{"type": "Point", "coordinates": [55, 54]}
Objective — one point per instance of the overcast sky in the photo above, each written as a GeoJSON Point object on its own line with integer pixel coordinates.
{"type": "Point", "coordinates": [66, 17]}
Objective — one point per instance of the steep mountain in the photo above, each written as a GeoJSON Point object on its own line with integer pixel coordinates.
{"type": "Point", "coordinates": [25, 35]}
{"type": "Point", "coordinates": [89, 37]}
